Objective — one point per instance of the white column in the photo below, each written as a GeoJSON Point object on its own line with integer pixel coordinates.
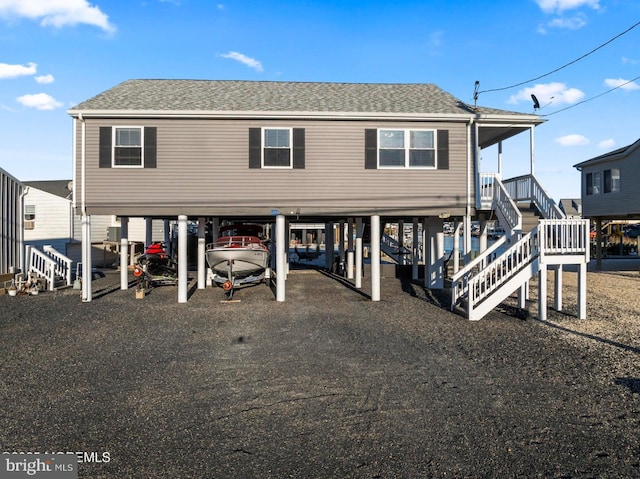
{"type": "Point", "coordinates": [557, 297]}
{"type": "Point", "coordinates": [281, 244]}
{"type": "Point", "coordinates": [415, 256]}
{"type": "Point", "coordinates": [532, 153]}
{"type": "Point", "coordinates": [350, 248]}
{"type": "Point", "coordinates": [401, 258]}
{"type": "Point", "coordinates": [482, 239]}
{"type": "Point", "coordinates": [435, 277]}
{"type": "Point", "coordinates": [124, 253]}
{"type": "Point", "coordinates": [375, 258]}
{"type": "Point", "coordinates": [86, 258]}
{"type": "Point", "coordinates": [182, 259]}
{"type": "Point", "coordinates": [167, 234]}
{"type": "Point", "coordinates": [202, 269]}
{"type": "Point", "coordinates": [426, 251]}
{"type": "Point", "coordinates": [500, 160]}
{"type": "Point", "coordinates": [359, 232]}
{"type": "Point", "coordinates": [542, 293]}
{"type": "Point", "coordinates": [582, 291]}
{"type": "Point", "coordinates": [456, 246]}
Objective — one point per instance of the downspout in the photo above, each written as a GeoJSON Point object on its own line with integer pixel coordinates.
{"type": "Point", "coordinates": [22, 261]}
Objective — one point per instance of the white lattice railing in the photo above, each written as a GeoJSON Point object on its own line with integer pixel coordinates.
{"type": "Point", "coordinates": [49, 265]}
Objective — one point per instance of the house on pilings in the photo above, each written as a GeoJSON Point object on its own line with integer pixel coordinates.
{"type": "Point", "coordinates": [344, 153]}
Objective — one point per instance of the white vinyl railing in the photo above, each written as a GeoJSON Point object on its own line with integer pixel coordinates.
{"type": "Point", "coordinates": [485, 282]}
{"type": "Point", "coordinates": [527, 188]}
{"type": "Point", "coordinates": [551, 242]}
{"type": "Point", "coordinates": [62, 263]}
{"type": "Point", "coordinates": [565, 237]}
{"type": "Point", "coordinates": [49, 265]}
{"type": "Point", "coordinates": [493, 195]}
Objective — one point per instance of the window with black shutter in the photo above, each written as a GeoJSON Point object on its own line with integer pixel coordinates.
{"type": "Point", "coordinates": [127, 147]}
{"type": "Point", "coordinates": [406, 148]}
{"type": "Point", "coordinates": [276, 148]}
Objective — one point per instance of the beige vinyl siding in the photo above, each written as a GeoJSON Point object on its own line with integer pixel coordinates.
{"type": "Point", "coordinates": [615, 204]}
{"type": "Point", "coordinates": [203, 169]}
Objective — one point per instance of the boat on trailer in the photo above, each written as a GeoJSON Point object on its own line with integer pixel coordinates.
{"type": "Point", "coordinates": [239, 257]}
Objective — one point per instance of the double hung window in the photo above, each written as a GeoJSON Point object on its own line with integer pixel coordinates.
{"type": "Point", "coordinates": [127, 146]}
{"type": "Point", "coordinates": [277, 148]}
{"type": "Point", "coordinates": [407, 148]}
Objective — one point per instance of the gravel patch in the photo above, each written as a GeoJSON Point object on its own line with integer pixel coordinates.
{"type": "Point", "coordinates": [327, 384]}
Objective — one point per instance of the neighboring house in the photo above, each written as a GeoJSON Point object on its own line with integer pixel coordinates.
{"type": "Point", "coordinates": [571, 207]}
{"type": "Point", "coordinates": [11, 229]}
{"type": "Point", "coordinates": [49, 219]}
{"type": "Point", "coordinates": [313, 153]}
{"type": "Point", "coordinates": [610, 184]}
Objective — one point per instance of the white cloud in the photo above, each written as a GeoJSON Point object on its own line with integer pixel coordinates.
{"type": "Point", "coordinates": [559, 6]}
{"type": "Point", "coordinates": [607, 144]}
{"type": "Point", "coordinates": [622, 84]}
{"type": "Point", "coordinates": [44, 79]}
{"type": "Point", "coordinates": [628, 61]}
{"type": "Point", "coordinates": [572, 140]}
{"type": "Point", "coordinates": [572, 23]}
{"type": "Point", "coordinates": [15, 71]}
{"type": "Point", "coordinates": [39, 101]}
{"type": "Point", "coordinates": [57, 13]}
{"type": "Point", "coordinates": [555, 92]}
{"type": "Point", "coordinates": [248, 61]}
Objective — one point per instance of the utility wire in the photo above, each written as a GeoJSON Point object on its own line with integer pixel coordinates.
{"type": "Point", "coordinates": [593, 97]}
{"type": "Point", "coordinates": [563, 66]}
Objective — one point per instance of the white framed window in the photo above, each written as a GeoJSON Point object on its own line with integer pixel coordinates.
{"type": "Point", "coordinates": [612, 180]}
{"type": "Point", "coordinates": [29, 217]}
{"type": "Point", "coordinates": [405, 148]}
{"type": "Point", "coordinates": [277, 147]}
{"type": "Point", "coordinates": [128, 146]}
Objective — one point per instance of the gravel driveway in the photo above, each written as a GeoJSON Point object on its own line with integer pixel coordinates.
{"type": "Point", "coordinates": [325, 385]}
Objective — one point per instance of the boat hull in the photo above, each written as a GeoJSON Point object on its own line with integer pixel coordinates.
{"type": "Point", "coordinates": [242, 261]}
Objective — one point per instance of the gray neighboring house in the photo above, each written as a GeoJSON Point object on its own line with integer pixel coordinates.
{"type": "Point", "coordinates": [571, 207]}
{"type": "Point", "coordinates": [11, 218]}
{"type": "Point", "coordinates": [610, 184]}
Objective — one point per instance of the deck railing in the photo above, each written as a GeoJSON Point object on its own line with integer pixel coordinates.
{"type": "Point", "coordinates": [43, 265]}
{"type": "Point", "coordinates": [494, 195]}
{"type": "Point", "coordinates": [527, 188]}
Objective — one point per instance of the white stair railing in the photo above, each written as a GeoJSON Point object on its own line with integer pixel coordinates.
{"type": "Point", "coordinates": [43, 265]}
{"type": "Point", "coordinates": [62, 263]}
{"type": "Point", "coordinates": [488, 281]}
{"type": "Point", "coordinates": [527, 188]}
{"type": "Point", "coordinates": [494, 196]}
{"type": "Point", "coordinates": [484, 284]}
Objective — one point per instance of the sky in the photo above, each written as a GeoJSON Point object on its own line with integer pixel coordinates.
{"type": "Point", "coordinates": [55, 54]}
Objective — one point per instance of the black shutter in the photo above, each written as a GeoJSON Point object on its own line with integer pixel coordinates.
{"type": "Point", "coordinates": [298, 148]}
{"type": "Point", "coordinates": [150, 149]}
{"type": "Point", "coordinates": [255, 147]}
{"type": "Point", "coordinates": [104, 157]}
{"type": "Point", "coordinates": [371, 149]}
{"type": "Point", "coordinates": [443, 149]}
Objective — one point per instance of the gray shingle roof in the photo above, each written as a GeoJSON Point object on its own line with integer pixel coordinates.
{"type": "Point", "coordinates": [55, 187]}
{"type": "Point", "coordinates": [266, 96]}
